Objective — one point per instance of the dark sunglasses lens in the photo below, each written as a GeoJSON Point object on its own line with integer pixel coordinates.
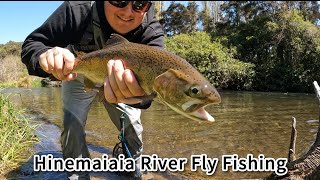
{"type": "Point", "coordinates": [119, 4]}
{"type": "Point", "coordinates": [140, 5]}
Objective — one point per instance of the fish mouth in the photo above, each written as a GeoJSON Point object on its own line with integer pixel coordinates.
{"type": "Point", "coordinates": [196, 109]}
{"type": "Point", "coordinates": [192, 109]}
{"type": "Point", "coordinates": [202, 114]}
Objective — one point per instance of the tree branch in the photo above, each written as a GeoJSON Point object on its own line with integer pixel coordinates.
{"type": "Point", "coordinates": [292, 147]}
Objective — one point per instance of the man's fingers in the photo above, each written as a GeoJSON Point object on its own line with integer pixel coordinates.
{"type": "Point", "coordinates": [71, 76]}
{"type": "Point", "coordinates": [108, 93]}
{"type": "Point", "coordinates": [43, 62]}
{"type": "Point", "coordinates": [58, 62]}
{"type": "Point", "coordinates": [132, 83]}
{"type": "Point", "coordinates": [113, 81]}
{"type": "Point", "coordinates": [118, 70]}
{"type": "Point", "coordinates": [50, 61]}
{"type": "Point", "coordinates": [122, 83]}
{"type": "Point", "coordinates": [68, 62]}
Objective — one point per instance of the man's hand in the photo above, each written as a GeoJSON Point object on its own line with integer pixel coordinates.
{"type": "Point", "coordinates": [59, 62]}
{"type": "Point", "coordinates": [121, 84]}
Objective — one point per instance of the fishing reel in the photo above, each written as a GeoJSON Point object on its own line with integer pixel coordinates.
{"type": "Point", "coordinates": [117, 150]}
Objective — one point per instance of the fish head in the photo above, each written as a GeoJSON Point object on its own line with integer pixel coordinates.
{"type": "Point", "coordinates": [186, 93]}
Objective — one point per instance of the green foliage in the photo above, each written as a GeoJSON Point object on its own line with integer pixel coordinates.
{"type": "Point", "coordinates": [16, 135]}
{"type": "Point", "coordinates": [36, 83]}
{"type": "Point", "coordinates": [281, 38]}
{"type": "Point", "coordinates": [213, 60]}
{"type": "Point", "coordinates": [296, 50]}
{"type": "Point", "coordinates": [276, 36]}
{"type": "Point", "coordinates": [8, 85]}
{"type": "Point", "coordinates": [10, 48]}
{"type": "Point", "coordinates": [237, 12]}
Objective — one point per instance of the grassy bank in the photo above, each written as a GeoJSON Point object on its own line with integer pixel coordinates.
{"type": "Point", "coordinates": [16, 132]}
{"type": "Point", "coordinates": [16, 136]}
{"type": "Point", "coordinates": [13, 73]}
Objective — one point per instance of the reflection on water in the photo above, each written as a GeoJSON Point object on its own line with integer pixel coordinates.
{"type": "Point", "coordinates": [246, 123]}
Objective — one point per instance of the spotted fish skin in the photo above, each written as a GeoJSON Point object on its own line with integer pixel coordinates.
{"type": "Point", "coordinates": [172, 79]}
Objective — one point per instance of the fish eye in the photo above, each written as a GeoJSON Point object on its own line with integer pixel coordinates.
{"type": "Point", "coordinates": [194, 91]}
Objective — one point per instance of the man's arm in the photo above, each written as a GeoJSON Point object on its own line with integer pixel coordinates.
{"type": "Point", "coordinates": [59, 30]}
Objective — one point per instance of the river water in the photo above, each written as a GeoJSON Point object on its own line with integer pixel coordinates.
{"type": "Point", "coordinates": [246, 123]}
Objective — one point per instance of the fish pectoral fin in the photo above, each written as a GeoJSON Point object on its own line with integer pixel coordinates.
{"type": "Point", "coordinates": [140, 99]}
{"type": "Point", "coordinates": [131, 100]}
{"type": "Point", "coordinates": [88, 84]}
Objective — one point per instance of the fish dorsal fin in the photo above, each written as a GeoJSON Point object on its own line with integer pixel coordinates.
{"type": "Point", "coordinates": [116, 39]}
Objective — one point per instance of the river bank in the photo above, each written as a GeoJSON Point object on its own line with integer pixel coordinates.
{"type": "Point", "coordinates": [16, 136]}
{"type": "Point", "coordinates": [49, 144]}
{"type": "Point", "coordinates": [246, 123]}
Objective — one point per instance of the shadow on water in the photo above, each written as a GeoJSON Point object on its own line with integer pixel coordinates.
{"type": "Point", "coordinates": [246, 123]}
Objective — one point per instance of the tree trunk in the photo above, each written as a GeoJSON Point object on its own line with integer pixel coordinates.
{"type": "Point", "coordinates": [307, 166]}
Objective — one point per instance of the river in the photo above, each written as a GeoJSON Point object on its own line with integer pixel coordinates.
{"type": "Point", "coordinates": [246, 123]}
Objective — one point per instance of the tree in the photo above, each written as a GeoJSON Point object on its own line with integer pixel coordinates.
{"type": "Point", "coordinates": [192, 14]}
{"type": "Point", "coordinates": [205, 17]}
{"type": "Point", "coordinates": [158, 9]}
{"type": "Point", "coordinates": [309, 9]}
{"type": "Point", "coordinates": [180, 19]}
{"type": "Point", "coordinates": [237, 12]}
{"type": "Point", "coordinates": [278, 39]}
{"type": "Point", "coordinates": [173, 19]}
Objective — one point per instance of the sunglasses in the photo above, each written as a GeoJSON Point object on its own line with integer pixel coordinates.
{"type": "Point", "coordinates": [138, 6]}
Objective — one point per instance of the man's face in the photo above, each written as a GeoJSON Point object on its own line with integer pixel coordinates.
{"type": "Point", "coordinates": [123, 20]}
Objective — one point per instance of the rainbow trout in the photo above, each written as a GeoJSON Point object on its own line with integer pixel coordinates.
{"type": "Point", "coordinates": [164, 76]}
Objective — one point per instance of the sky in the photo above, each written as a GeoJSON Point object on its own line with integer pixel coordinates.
{"type": "Point", "coordinates": [19, 18]}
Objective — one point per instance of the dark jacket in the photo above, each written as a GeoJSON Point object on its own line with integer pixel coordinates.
{"type": "Point", "coordinates": [67, 26]}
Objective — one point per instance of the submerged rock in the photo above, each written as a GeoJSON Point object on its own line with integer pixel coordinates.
{"type": "Point", "coordinates": [46, 82]}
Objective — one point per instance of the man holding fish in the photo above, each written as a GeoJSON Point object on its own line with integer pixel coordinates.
{"type": "Point", "coordinates": [45, 52]}
{"type": "Point", "coordinates": [132, 68]}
